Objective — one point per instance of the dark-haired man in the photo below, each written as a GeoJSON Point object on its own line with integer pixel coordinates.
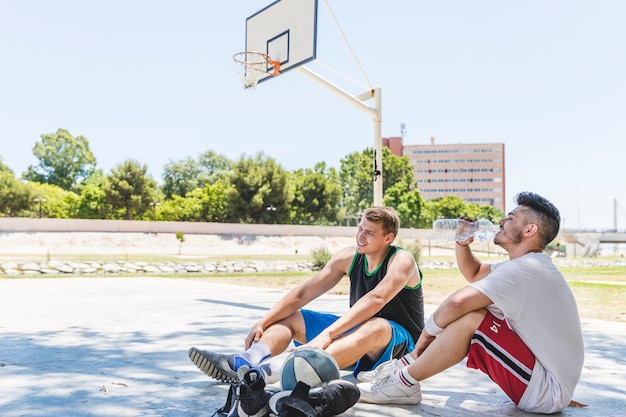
{"type": "Point", "coordinates": [517, 321]}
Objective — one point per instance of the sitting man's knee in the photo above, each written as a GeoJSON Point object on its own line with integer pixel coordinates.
{"type": "Point", "coordinates": [375, 326]}
{"type": "Point", "coordinates": [472, 320]}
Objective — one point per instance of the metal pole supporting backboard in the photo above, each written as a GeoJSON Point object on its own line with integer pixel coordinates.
{"type": "Point", "coordinates": [378, 147]}
{"type": "Point", "coordinates": [286, 32]}
{"type": "Point", "coordinates": [375, 112]}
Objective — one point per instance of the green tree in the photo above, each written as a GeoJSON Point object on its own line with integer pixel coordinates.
{"type": "Point", "coordinates": [215, 201]}
{"type": "Point", "coordinates": [451, 207]}
{"type": "Point", "coordinates": [448, 207]}
{"type": "Point", "coordinates": [63, 160]}
{"type": "Point", "coordinates": [15, 196]}
{"type": "Point", "coordinates": [476, 211]}
{"type": "Point", "coordinates": [407, 201]}
{"type": "Point", "coordinates": [317, 195]}
{"type": "Point", "coordinates": [208, 204]}
{"type": "Point", "coordinates": [181, 177]}
{"type": "Point", "coordinates": [181, 209]}
{"type": "Point", "coordinates": [357, 173]}
{"type": "Point", "coordinates": [4, 168]}
{"type": "Point", "coordinates": [92, 197]}
{"type": "Point", "coordinates": [356, 180]}
{"type": "Point", "coordinates": [129, 191]}
{"type": "Point", "coordinates": [216, 165]}
{"type": "Point", "coordinates": [53, 201]}
{"type": "Point", "coordinates": [261, 191]}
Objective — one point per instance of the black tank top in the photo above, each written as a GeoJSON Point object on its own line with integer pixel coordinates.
{"type": "Point", "coordinates": [406, 308]}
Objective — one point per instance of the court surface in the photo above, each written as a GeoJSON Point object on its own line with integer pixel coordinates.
{"type": "Point", "coordinates": [118, 347]}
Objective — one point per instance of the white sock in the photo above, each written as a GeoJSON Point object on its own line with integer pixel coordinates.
{"type": "Point", "coordinates": [406, 359]}
{"type": "Point", "coordinates": [257, 353]}
{"type": "Point", "coordinates": [271, 370]}
{"type": "Point", "coordinates": [406, 378]}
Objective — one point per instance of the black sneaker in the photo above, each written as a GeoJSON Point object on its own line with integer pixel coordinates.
{"type": "Point", "coordinates": [247, 398]}
{"type": "Point", "coordinates": [329, 399]}
{"type": "Point", "coordinates": [215, 365]}
{"type": "Point", "coordinates": [334, 397]}
{"type": "Point", "coordinates": [252, 398]}
{"type": "Point", "coordinates": [229, 402]}
{"type": "Point", "coordinates": [292, 403]}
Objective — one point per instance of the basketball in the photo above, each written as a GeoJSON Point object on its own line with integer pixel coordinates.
{"type": "Point", "coordinates": [310, 365]}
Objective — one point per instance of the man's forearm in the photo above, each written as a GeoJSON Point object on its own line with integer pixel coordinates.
{"type": "Point", "coordinates": [468, 263]}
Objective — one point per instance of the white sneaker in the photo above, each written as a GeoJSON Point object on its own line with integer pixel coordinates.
{"type": "Point", "coordinates": [384, 368]}
{"type": "Point", "coordinates": [390, 389]}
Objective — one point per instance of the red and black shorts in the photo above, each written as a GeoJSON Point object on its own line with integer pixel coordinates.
{"type": "Point", "coordinates": [499, 352]}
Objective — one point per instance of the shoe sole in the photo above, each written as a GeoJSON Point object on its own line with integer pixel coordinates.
{"type": "Point", "coordinates": [407, 400]}
{"type": "Point", "coordinates": [273, 403]}
{"type": "Point", "coordinates": [261, 413]}
{"type": "Point", "coordinates": [208, 368]}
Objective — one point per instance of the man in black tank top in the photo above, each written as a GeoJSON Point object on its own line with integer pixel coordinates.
{"type": "Point", "coordinates": [385, 318]}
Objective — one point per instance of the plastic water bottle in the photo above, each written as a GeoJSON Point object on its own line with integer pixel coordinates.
{"type": "Point", "coordinates": [460, 229]}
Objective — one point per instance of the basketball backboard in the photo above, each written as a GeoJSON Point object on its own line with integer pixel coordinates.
{"type": "Point", "coordinates": [286, 31]}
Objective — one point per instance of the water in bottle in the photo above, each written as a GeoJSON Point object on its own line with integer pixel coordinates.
{"type": "Point", "coordinates": [485, 230]}
{"type": "Point", "coordinates": [460, 229]}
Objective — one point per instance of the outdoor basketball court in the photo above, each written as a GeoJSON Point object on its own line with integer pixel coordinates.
{"type": "Point", "coordinates": [115, 347]}
{"type": "Point", "coordinates": [118, 347]}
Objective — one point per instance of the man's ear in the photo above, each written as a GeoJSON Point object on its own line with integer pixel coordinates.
{"type": "Point", "coordinates": [530, 229]}
{"type": "Point", "coordinates": [389, 238]}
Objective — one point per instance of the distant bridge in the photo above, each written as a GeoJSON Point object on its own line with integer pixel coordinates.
{"type": "Point", "coordinates": [591, 241]}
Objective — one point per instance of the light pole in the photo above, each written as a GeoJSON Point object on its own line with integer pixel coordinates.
{"type": "Point", "coordinates": [154, 205]}
{"type": "Point", "coordinates": [578, 204]}
{"type": "Point", "coordinates": [40, 200]}
{"type": "Point", "coordinates": [272, 210]}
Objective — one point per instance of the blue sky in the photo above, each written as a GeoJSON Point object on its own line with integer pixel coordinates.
{"type": "Point", "coordinates": [154, 81]}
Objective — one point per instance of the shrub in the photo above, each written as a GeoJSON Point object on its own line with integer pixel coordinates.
{"type": "Point", "coordinates": [414, 248]}
{"type": "Point", "coordinates": [181, 238]}
{"type": "Point", "coordinates": [320, 257]}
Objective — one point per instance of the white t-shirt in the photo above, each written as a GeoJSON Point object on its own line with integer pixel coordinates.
{"type": "Point", "coordinates": [532, 295]}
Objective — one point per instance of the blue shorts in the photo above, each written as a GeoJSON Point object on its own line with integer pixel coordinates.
{"type": "Point", "coordinates": [400, 344]}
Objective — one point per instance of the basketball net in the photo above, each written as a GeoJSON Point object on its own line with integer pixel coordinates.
{"type": "Point", "coordinates": [251, 66]}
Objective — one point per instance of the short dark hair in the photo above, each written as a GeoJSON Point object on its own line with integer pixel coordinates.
{"type": "Point", "coordinates": [386, 216]}
{"type": "Point", "coordinates": [543, 213]}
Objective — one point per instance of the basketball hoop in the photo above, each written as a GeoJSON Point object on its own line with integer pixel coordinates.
{"type": "Point", "coordinates": [252, 66]}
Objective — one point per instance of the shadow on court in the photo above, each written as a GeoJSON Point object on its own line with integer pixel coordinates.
{"type": "Point", "coordinates": [118, 347]}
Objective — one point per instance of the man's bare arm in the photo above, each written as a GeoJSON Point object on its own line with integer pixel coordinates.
{"type": "Point", "coordinates": [469, 265]}
{"type": "Point", "coordinates": [300, 296]}
{"type": "Point", "coordinates": [400, 272]}
{"type": "Point", "coordinates": [459, 303]}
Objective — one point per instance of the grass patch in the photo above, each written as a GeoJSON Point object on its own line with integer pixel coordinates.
{"type": "Point", "coordinates": [597, 300]}
{"type": "Point", "coordinates": [599, 292]}
{"type": "Point", "coordinates": [591, 274]}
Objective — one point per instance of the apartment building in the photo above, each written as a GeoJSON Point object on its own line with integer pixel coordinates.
{"type": "Point", "coordinates": [473, 171]}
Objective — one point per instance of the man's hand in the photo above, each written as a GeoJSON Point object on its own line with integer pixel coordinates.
{"type": "Point", "coordinates": [423, 342]}
{"type": "Point", "coordinates": [467, 227]}
{"type": "Point", "coordinates": [321, 341]}
{"type": "Point", "coordinates": [254, 336]}
{"type": "Point", "coordinates": [465, 242]}
{"type": "Point", "coordinates": [467, 219]}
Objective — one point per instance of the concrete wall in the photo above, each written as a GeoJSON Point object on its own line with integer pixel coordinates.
{"type": "Point", "coordinates": [20, 224]}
